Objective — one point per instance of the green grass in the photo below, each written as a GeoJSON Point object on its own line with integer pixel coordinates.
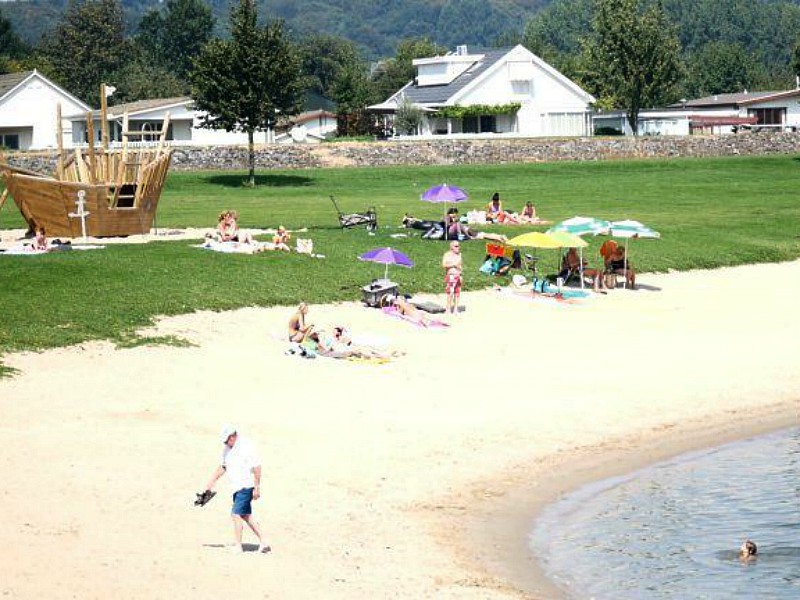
{"type": "Point", "coordinates": [710, 212]}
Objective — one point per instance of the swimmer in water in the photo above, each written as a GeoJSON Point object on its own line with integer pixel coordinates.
{"type": "Point", "coordinates": [748, 550]}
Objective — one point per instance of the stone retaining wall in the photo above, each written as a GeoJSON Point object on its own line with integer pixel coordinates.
{"type": "Point", "coordinates": [458, 152]}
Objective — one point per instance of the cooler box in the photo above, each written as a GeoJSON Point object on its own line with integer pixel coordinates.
{"type": "Point", "coordinates": [377, 290]}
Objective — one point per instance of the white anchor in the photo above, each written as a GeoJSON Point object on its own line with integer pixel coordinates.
{"type": "Point", "coordinates": [81, 213]}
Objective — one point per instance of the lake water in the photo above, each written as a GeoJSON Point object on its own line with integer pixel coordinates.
{"type": "Point", "coordinates": [673, 530]}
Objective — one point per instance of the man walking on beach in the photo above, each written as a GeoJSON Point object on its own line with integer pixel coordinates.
{"type": "Point", "coordinates": [243, 466]}
{"type": "Point", "coordinates": [452, 265]}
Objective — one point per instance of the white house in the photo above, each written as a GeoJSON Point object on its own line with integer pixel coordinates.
{"type": "Point", "coordinates": [718, 114]}
{"type": "Point", "coordinates": [520, 93]}
{"type": "Point", "coordinates": [184, 125]}
{"type": "Point", "coordinates": [28, 111]}
{"type": "Point", "coordinates": [310, 127]}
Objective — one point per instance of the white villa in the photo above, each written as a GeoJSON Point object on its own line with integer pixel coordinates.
{"type": "Point", "coordinates": [184, 125]}
{"type": "Point", "coordinates": [28, 111]}
{"type": "Point", "coordinates": [520, 94]}
{"type": "Point", "coordinates": [718, 114]}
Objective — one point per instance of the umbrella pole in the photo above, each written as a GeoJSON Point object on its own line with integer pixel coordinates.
{"type": "Point", "coordinates": [386, 273]}
{"type": "Point", "coordinates": [580, 252]}
{"type": "Point", "coordinates": [625, 265]}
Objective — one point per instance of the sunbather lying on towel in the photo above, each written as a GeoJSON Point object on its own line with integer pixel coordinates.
{"type": "Point", "coordinates": [339, 345]}
{"type": "Point", "coordinates": [408, 312]}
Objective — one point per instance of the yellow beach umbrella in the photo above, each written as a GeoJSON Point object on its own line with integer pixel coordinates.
{"type": "Point", "coordinates": [568, 240]}
{"type": "Point", "coordinates": [535, 239]}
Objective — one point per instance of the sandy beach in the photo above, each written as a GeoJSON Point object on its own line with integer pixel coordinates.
{"type": "Point", "coordinates": [419, 478]}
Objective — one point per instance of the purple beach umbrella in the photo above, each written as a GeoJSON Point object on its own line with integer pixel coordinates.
{"type": "Point", "coordinates": [444, 193]}
{"type": "Point", "coordinates": [387, 256]}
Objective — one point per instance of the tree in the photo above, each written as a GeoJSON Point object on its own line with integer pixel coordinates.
{"type": "Point", "coordinates": [244, 83]}
{"type": "Point", "coordinates": [718, 68]}
{"type": "Point", "coordinates": [11, 46]}
{"type": "Point", "coordinates": [407, 117]}
{"type": "Point", "coordinates": [324, 58]}
{"type": "Point", "coordinates": [174, 35]}
{"type": "Point", "coordinates": [796, 58]}
{"type": "Point", "coordinates": [88, 47]}
{"type": "Point", "coordinates": [633, 56]}
{"type": "Point", "coordinates": [394, 73]}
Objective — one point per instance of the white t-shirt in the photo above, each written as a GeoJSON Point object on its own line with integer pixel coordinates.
{"type": "Point", "coordinates": [239, 462]}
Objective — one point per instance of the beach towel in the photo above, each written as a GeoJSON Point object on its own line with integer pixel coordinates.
{"type": "Point", "coordinates": [29, 251]}
{"type": "Point", "coordinates": [431, 323]}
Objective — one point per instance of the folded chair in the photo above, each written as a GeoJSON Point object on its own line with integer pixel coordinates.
{"type": "Point", "coordinates": [346, 221]}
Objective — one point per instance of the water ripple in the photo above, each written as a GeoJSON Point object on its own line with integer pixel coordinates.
{"type": "Point", "coordinates": [673, 530]}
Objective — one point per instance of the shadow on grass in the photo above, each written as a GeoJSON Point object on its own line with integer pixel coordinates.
{"type": "Point", "coordinates": [238, 180]}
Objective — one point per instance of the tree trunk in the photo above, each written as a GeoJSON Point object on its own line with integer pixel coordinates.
{"type": "Point", "coordinates": [251, 159]}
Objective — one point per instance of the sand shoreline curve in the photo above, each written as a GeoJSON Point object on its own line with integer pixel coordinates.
{"type": "Point", "coordinates": [410, 479]}
{"type": "Point", "coordinates": [501, 531]}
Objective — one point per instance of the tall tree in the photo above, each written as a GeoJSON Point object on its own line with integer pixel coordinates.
{"type": "Point", "coordinates": [633, 56]}
{"type": "Point", "coordinates": [324, 58]}
{"type": "Point", "coordinates": [175, 34]}
{"type": "Point", "coordinates": [244, 83]}
{"type": "Point", "coordinates": [11, 46]}
{"type": "Point", "coordinates": [394, 73]}
{"type": "Point", "coordinates": [88, 47]}
{"type": "Point", "coordinates": [720, 67]}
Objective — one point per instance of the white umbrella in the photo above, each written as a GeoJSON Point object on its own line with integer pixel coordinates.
{"type": "Point", "coordinates": [628, 229]}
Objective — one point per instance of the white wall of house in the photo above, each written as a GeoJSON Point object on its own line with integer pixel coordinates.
{"type": "Point", "coordinates": [550, 106]}
{"type": "Point", "coordinates": [790, 105]}
{"type": "Point", "coordinates": [30, 112]}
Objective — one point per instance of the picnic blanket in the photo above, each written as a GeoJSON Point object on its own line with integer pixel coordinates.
{"type": "Point", "coordinates": [29, 251]}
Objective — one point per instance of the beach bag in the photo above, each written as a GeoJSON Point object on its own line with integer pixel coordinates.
{"type": "Point", "coordinates": [488, 267]}
{"type": "Point", "coordinates": [304, 246]}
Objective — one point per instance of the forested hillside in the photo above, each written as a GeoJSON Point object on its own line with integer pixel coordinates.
{"type": "Point", "coordinates": [375, 25]}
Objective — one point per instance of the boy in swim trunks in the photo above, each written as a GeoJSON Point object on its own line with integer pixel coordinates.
{"type": "Point", "coordinates": [452, 264]}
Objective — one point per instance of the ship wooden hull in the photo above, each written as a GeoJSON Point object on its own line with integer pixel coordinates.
{"type": "Point", "coordinates": [122, 206]}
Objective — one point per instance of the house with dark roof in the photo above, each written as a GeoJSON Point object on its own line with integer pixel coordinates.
{"type": "Point", "coordinates": [716, 114]}
{"type": "Point", "coordinates": [491, 92]}
{"type": "Point", "coordinates": [29, 111]}
{"type": "Point", "coordinates": [184, 128]}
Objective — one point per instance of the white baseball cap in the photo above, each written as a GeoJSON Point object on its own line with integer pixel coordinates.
{"type": "Point", "coordinates": [227, 431]}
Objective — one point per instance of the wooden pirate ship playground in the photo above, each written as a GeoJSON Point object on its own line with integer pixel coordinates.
{"type": "Point", "coordinates": [98, 192]}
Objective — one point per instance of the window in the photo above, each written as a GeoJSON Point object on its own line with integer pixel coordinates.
{"type": "Point", "coordinates": [488, 124]}
{"type": "Point", "coordinates": [469, 125]}
{"type": "Point", "coordinates": [768, 116]}
{"type": "Point", "coordinates": [9, 140]}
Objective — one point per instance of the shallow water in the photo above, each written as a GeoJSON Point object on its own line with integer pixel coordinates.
{"type": "Point", "coordinates": [673, 530]}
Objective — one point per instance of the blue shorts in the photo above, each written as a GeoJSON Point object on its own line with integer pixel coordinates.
{"type": "Point", "coordinates": [241, 502]}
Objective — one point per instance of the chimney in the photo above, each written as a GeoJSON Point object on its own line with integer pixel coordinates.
{"type": "Point", "coordinates": [461, 50]}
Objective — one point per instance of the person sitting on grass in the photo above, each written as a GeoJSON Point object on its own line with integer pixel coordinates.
{"type": "Point", "coordinates": [40, 243]}
{"type": "Point", "coordinates": [456, 230]}
{"type": "Point", "coordinates": [228, 228]}
{"type": "Point", "coordinates": [280, 241]}
{"type": "Point", "coordinates": [299, 330]}
{"type": "Point", "coordinates": [494, 210]}
{"type": "Point", "coordinates": [528, 214]}
{"type": "Point", "coordinates": [619, 265]}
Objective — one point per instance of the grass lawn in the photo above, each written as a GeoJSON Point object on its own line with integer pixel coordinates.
{"type": "Point", "coordinates": [710, 212]}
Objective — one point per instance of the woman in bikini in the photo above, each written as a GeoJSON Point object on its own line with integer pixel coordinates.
{"type": "Point", "coordinates": [619, 265]}
{"type": "Point", "coordinates": [528, 214]}
{"type": "Point", "coordinates": [299, 330]}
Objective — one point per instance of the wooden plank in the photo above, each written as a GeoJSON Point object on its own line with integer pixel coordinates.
{"type": "Point", "coordinates": [90, 136]}
{"type": "Point", "coordinates": [60, 136]}
{"type": "Point", "coordinates": [80, 166]}
{"type": "Point", "coordinates": [3, 198]}
{"type": "Point", "coordinates": [163, 137]}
